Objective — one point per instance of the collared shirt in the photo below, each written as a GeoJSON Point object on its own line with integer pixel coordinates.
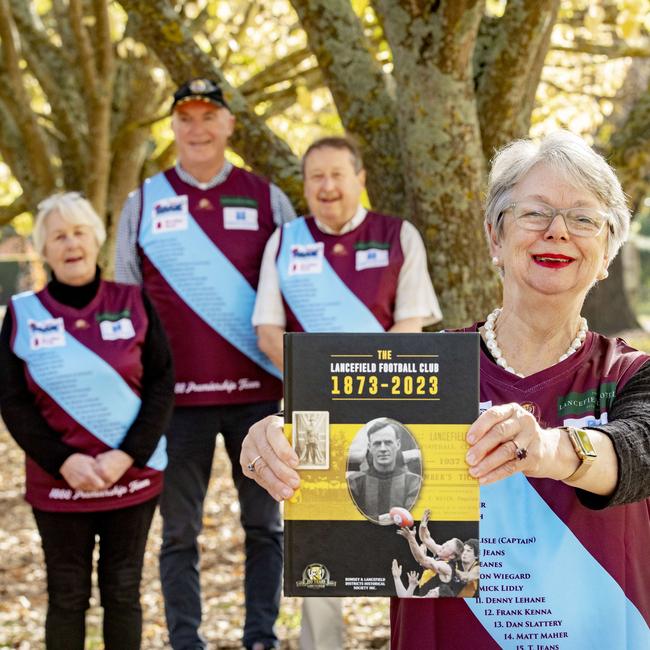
{"type": "Point", "coordinates": [127, 263]}
{"type": "Point", "coordinates": [415, 297]}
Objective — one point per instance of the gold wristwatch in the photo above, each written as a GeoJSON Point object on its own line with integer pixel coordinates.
{"type": "Point", "coordinates": [584, 449]}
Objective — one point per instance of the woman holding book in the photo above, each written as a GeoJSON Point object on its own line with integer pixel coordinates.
{"type": "Point", "coordinates": [562, 446]}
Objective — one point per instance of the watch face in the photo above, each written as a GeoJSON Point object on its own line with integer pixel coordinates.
{"type": "Point", "coordinates": [585, 443]}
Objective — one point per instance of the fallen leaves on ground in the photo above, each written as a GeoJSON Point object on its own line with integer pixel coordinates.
{"type": "Point", "coordinates": [23, 598]}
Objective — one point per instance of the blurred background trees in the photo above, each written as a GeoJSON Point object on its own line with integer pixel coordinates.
{"type": "Point", "coordinates": [428, 89]}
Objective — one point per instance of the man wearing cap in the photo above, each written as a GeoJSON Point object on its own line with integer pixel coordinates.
{"type": "Point", "coordinates": [342, 269]}
{"type": "Point", "coordinates": [194, 236]}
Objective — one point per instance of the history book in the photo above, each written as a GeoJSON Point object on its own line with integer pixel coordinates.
{"type": "Point", "coordinates": [378, 422]}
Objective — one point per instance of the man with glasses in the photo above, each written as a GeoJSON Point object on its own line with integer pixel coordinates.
{"type": "Point", "coordinates": [194, 236]}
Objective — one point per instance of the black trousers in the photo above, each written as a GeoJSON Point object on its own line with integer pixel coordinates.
{"type": "Point", "coordinates": [68, 540]}
{"type": "Point", "coordinates": [190, 447]}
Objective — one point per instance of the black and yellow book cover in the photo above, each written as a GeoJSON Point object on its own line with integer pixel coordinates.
{"type": "Point", "coordinates": [386, 505]}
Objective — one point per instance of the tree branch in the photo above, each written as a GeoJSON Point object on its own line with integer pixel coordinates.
{"type": "Point", "coordinates": [8, 212]}
{"type": "Point", "coordinates": [506, 88]}
{"type": "Point", "coordinates": [250, 12]}
{"type": "Point", "coordinates": [99, 123]}
{"type": "Point", "coordinates": [85, 54]}
{"type": "Point", "coordinates": [358, 87]}
{"type": "Point", "coordinates": [274, 73]}
{"type": "Point", "coordinates": [615, 51]}
{"type": "Point", "coordinates": [49, 65]}
{"type": "Point", "coordinates": [17, 102]}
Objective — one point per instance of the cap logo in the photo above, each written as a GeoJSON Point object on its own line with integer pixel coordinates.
{"type": "Point", "coordinates": [200, 86]}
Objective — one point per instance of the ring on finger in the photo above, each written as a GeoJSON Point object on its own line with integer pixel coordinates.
{"type": "Point", "coordinates": [520, 452]}
{"type": "Point", "coordinates": [251, 465]}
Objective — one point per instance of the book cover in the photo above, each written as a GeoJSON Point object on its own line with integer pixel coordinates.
{"type": "Point", "coordinates": [379, 422]}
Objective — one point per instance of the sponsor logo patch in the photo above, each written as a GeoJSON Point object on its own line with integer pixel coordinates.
{"type": "Point", "coordinates": [585, 404]}
{"type": "Point", "coordinates": [586, 421]}
{"type": "Point", "coordinates": [169, 215]}
{"type": "Point", "coordinates": [49, 333]}
{"type": "Point", "coordinates": [240, 218]}
{"type": "Point", "coordinates": [372, 258]}
{"type": "Point", "coordinates": [112, 330]}
{"type": "Point", "coordinates": [306, 258]}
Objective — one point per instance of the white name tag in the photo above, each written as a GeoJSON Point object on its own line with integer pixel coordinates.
{"type": "Point", "coordinates": [112, 330]}
{"type": "Point", "coordinates": [371, 258]}
{"type": "Point", "coordinates": [306, 258]}
{"type": "Point", "coordinates": [48, 333]}
{"type": "Point", "coordinates": [236, 218]}
{"type": "Point", "coordinates": [168, 215]}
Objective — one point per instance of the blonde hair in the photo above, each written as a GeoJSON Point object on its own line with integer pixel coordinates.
{"type": "Point", "coordinates": [73, 208]}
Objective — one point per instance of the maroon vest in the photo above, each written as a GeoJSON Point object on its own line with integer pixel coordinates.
{"type": "Point", "coordinates": [202, 357]}
{"type": "Point", "coordinates": [580, 391]}
{"type": "Point", "coordinates": [124, 355]}
{"type": "Point", "coordinates": [376, 288]}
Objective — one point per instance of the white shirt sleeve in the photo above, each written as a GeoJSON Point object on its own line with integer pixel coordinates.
{"type": "Point", "coordinates": [269, 308]}
{"type": "Point", "coordinates": [416, 296]}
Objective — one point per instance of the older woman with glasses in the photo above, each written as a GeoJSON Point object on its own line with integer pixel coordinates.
{"type": "Point", "coordinates": [86, 388]}
{"type": "Point", "coordinates": [562, 446]}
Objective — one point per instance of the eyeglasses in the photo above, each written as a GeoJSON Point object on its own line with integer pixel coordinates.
{"type": "Point", "coordinates": [537, 216]}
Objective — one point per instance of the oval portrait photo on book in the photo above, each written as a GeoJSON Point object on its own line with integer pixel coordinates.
{"type": "Point", "coordinates": [384, 469]}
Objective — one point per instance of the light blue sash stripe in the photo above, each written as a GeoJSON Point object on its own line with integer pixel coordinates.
{"type": "Point", "coordinates": [592, 608]}
{"type": "Point", "coordinates": [322, 302]}
{"type": "Point", "coordinates": [87, 388]}
{"type": "Point", "coordinates": [203, 277]}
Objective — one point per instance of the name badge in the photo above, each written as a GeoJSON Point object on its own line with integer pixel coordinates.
{"type": "Point", "coordinates": [48, 333]}
{"type": "Point", "coordinates": [371, 258]}
{"type": "Point", "coordinates": [306, 258]}
{"type": "Point", "coordinates": [168, 215]}
{"type": "Point", "coordinates": [112, 330]}
{"type": "Point", "coordinates": [240, 218]}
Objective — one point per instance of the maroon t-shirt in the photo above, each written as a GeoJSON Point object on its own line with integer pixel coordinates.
{"type": "Point", "coordinates": [202, 357]}
{"type": "Point", "coordinates": [578, 392]}
{"type": "Point", "coordinates": [375, 287]}
{"type": "Point", "coordinates": [112, 303]}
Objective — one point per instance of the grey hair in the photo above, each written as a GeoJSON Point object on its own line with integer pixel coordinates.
{"type": "Point", "coordinates": [571, 156]}
{"type": "Point", "coordinates": [73, 208]}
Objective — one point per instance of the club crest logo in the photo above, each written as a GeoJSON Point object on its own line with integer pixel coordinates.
{"type": "Point", "coordinates": [316, 576]}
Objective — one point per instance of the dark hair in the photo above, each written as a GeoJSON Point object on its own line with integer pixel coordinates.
{"type": "Point", "coordinates": [473, 544]}
{"type": "Point", "coordinates": [382, 424]}
{"type": "Point", "coordinates": [336, 142]}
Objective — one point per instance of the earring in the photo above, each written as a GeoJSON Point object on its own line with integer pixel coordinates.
{"type": "Point", "coordinates": [495, 261]}
{"type": "Point", "coordinates": [604, 274]}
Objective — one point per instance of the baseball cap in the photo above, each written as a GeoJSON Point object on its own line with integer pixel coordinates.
{"type": "Point", "coordinates": [202, 90]}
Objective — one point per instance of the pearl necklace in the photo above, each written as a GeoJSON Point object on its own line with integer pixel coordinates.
{"type": "Point", "coordinates": [495, 350]}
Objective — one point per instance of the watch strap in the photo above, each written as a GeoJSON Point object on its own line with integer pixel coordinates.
{"type": "Point", "coordinates": [586, 460]}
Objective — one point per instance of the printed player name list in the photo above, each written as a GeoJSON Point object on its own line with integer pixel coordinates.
{"type": "Point", "coordinates": [517, 615]}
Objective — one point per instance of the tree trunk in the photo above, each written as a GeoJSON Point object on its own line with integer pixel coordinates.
{"type": "Point", "coordinates": [607, 307]}
{"type": "Point", "coordinates": [444, 168]}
